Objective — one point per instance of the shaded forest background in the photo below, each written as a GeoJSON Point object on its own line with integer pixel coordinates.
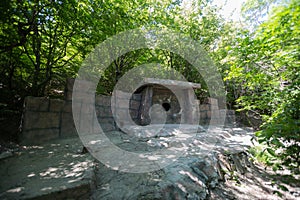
{"type": "Point", "coordinates": [44, 42]}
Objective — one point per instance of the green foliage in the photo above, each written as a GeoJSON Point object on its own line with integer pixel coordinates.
{"type": "Point", "coordinates": [265, 68]}
{"type": "Point", "coordinates": [44, 42]}
{"type": "Point", "coordinates": [281, 131]}
{"type": "Point", "coordinates": [40, 44]}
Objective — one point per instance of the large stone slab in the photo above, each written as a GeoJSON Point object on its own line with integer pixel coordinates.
{"type": "Point", "coordinates": [39, 136]}
{"type": "Point", "coordinates": [41, 120]}
{"type": "Point", "coordinates": [36, 103]}
{"type": "Point", "coordinates": [55, 170]}
{"type": "Point", "coordinates": [192, 176]}
{"type": "Point", "coordinates": [56, 105]}
{"type": "Point", "coordinates": [158, 130]}
{"type": "Point", "coordinates": [67, 128]}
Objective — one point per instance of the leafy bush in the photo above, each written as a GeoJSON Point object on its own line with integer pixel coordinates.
{"type": "Point", "coordinates": [281, 131]}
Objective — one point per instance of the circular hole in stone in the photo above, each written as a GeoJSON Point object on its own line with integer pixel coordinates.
{"type": "Point", "coordinates": [166, 106]}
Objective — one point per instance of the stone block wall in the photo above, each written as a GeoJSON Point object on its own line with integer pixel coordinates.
{"type": "Point", "coordinates": [126, 106]}
{"type": "Point", "coordinates": [41, 119]}
{"type": "Point", "coordinates": [104, 113]}
{"type": "Point", "coordinates": [229, 116]}
{"type": "Point", "coordinates": [211, 113]}
{"type": "Point", "coordinates": [45, 119]}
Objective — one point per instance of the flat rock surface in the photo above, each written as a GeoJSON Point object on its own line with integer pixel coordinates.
{"type": "Point", "coordinates": [59, 170]}
{"type": "Point", "coordinates": [47, 171]}
{"type": "Point", "coordinates": [191, 176]}
{"type": "Point", "coordinates": [197, 174]}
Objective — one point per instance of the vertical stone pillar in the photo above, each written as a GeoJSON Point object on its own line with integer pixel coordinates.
{"type": "Point", "coordinates": [146, 104]}
{"type": "Point", "coordinates": [83, 102]}
{"type": "Point", "coordinates": [190, 108]}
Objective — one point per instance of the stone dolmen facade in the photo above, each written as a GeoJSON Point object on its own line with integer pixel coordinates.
{"type": "Point", "coordinates": [45, 119]}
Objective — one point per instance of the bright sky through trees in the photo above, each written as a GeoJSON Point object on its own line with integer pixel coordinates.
{"type": "Point", "coordinates": [231, 8]}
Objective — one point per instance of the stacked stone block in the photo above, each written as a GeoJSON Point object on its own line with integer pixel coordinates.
{"type": "Point", "coordinates": [229, 116]}
{"type": "Point", "coordinates": [126, 107]}
{"type": "Point", "coordinates": [41, 119]}
{"type": "Point", "coordinates": [45, 119]}
{"type": "Point", "coordinates": [135, 103]}
{"type": "Point", "coordinates": [209, 112]}
{"type": "Point", "coordinates": [104, 113]}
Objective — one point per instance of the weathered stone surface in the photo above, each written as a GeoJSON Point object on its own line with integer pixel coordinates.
{"type": "Point", "coordinates": [39, 136]}
{"type": "Point", "coordinates": [203, 115]}
{"type": "Point", "coordinates": [204, 107]}
{"type": "Point", "coordinates": [86, 108]}
{"type": "Point", "coordinates": [41, 120]}
{"type": "Point", "coordinates": [58, 170]}
{"type": "Point", "coordinates": [56, 105]}
{"type": "Point", "coordinates": [36, 103]}
{"type": "Point", "coordinates": [107, 126]}
{"type": "Point", "coordinates": [108, 112]}
{"type": "Point", "coordinates": [212, 101]}
{"type": "Point", "coordinates": [53, 113]}
{"type": "Point", "coordinates": [103, 112]}
{"type": "Point", "coordinates": [67, 106]}
{"type": "Point", "coordinates": [215, 114]}
{"type": "Point", "coordinates": [213, 107]}
{"type": "Point", "coordinates": [135, 104]}
{"type": "Point", "coordinates": [192, 176]}
{"type": "Point", "coordinates": [53, 171]}
{"type": "Point", "coordinates": [229, 116]}
{"type": "Point", "coordinates": [146, 103]}
{"type": "Point", "coordinates": [122, 103]}
{"type": "Point", "coordinates": [161, 130]}
{"type": "Point", "coordinates": [67, 128]}
{"type": "Point", "coordinates": [215, 121]}
{"type": "Point", "coordinates": [87, 123]}
{"type": "Point", "coordinates": [137, 97]}
{"type": "Point", "coordinates": [122, 95]}
{"type": "Point", "coordinates": [102, 100]}
{"type": "Point", "coordinates": [122, 114]}
{"type": "Point", "coordinates": [107, 120]}
{"type": "Point", "coordinates": [208, 114]}
{"type": "Point", "coordinates": [134, 114]}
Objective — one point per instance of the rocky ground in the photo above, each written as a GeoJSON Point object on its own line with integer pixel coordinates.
{"type": "Point", "coordinates": [56, 170]}
{"type": "Point", "coordinates": [213, 167]}
{"type": "Point", "coordinates": [215, 164]}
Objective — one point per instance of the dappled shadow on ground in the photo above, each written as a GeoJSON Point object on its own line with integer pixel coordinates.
{"type": "Point", "coordinates": [46, 171]}
{"type": "Point", "coordinates": [257, 182]}
{"type": "Point", "coordinates": [214, 164]}
{"type": "Point", "coordinates": [194, 173]}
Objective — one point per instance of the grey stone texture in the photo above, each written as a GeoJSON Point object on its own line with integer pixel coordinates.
{"type": "Point", "coordinates": [192, 176]}
{"type": "Point", "coordinates": [55, 170]}
{"type": "Point", "coordinates": [46, 119]}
